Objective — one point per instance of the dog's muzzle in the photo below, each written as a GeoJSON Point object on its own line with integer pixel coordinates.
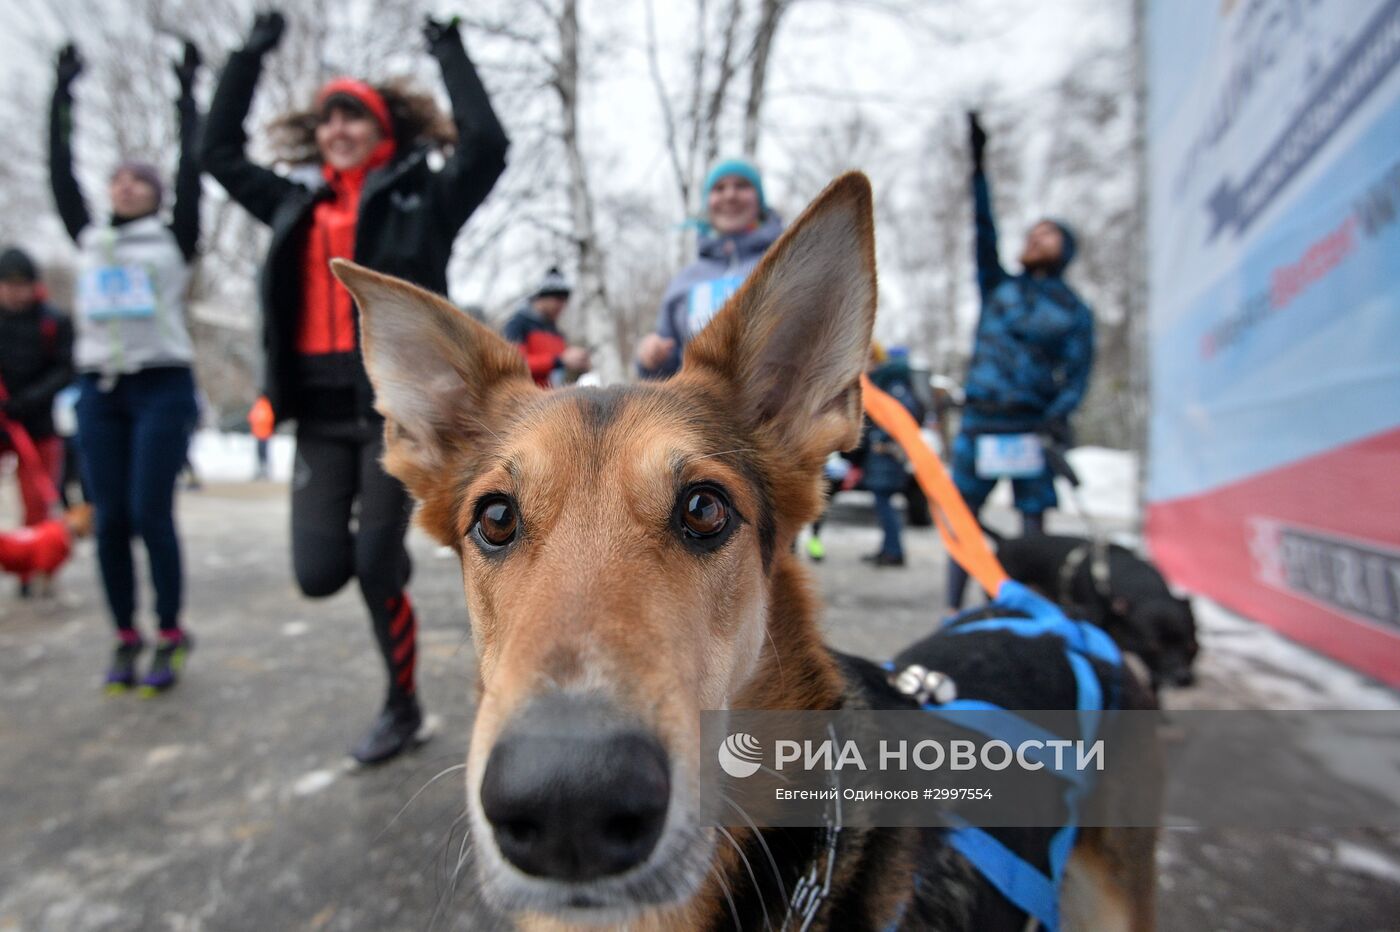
{"type": "Point", "coordinates": [574, 792]}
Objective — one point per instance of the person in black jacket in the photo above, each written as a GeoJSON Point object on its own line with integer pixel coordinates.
{"type": "Point", "coordinates": [372, 196]}
{"type": "Point", "coordinates": [36, 362]}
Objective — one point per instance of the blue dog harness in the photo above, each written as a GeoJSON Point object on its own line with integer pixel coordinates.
{"type": "Point", "coordinates": [1024, 885]}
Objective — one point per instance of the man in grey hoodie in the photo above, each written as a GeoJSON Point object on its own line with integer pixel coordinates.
{"type": "Point", "coordinates": [739, 229]}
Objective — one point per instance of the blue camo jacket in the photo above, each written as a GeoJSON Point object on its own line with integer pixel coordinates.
{"type": "Point", "coordinates": [1034, 347]}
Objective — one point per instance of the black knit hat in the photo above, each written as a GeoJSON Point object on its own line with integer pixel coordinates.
{"type": "Point", "coordinates": [15, 265]}
{"type": "Point", "coordinates": [554, 284]}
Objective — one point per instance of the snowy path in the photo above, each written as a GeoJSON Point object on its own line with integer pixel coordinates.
{"type": "Point", "coordinates": [227, 804]}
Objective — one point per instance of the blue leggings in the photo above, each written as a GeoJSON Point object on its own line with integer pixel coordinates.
{"type": "Point", "coordinates": [133, 441]}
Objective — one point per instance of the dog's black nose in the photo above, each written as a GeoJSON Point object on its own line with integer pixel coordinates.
{"type": "Point", "coordinates": [571, 796]}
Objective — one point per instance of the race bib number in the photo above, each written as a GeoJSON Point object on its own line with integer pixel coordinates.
{"type": "Point", "coordinates": [116, 292]}
{"type": "Point", "coordinates": [1009, 456]}
{"type": "Point", "coordinates": [707, 298]}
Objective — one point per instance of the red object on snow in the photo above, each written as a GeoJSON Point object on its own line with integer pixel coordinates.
{"type": "Point", "coordinates": [35, 479]}
{"type": "Point", "coordinates": [43, 545]}
{"type": "Point", "coordinates": [39, 549]}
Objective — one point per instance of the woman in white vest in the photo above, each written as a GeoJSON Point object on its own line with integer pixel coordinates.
{"type": "Point", "coordinates": [136, 405]}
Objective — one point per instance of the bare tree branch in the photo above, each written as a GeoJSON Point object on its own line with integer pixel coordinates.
{"type": "Point", "coordinates": [761, 49]}
{"type": "Point", "coordinates": [720, 91]}
{"type": "Point", "coordinates": [592, 293]}
{"type": "Point", "coordinates": [697, 91]}
{"type": "Point", "coordinates": [668, 115]}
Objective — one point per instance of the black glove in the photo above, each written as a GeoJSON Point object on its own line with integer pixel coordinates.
{"type": "Point", "coordinates": [70, 65]}
{"type": "Point", "coordinates": [266, 33]}
{"type": "Point", "coordinates": [440, 30]}
{"type": "Point", "coordinates": [1059, 432]}
{"type": "Point", "coordinates": [188, 67]}
{"type": "Point", "coordinates": [977, 139]}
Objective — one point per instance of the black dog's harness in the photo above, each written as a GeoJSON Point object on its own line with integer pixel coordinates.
{"type": "Point", "coordinates": [1096, 552]}
{"type": "Point", "coordinates": [1031, 890]}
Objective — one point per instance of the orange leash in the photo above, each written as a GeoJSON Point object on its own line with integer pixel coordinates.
{"type": "Point", "coordinates": [956, 524]}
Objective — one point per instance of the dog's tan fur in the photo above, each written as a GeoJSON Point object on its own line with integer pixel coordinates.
{"type": "Point", "coordinates": [598, 595]}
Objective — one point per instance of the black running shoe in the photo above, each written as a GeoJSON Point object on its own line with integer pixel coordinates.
{"type": "Point", "coordinates": [395, 731]}
{"type": "Point", "coordinates": [166, 663]}
{"type": "Point", "coordinates": [121, 673]}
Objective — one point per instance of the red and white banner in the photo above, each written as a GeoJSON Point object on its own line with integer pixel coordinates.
{"type": "Point", "coordinates": [1274, 471]}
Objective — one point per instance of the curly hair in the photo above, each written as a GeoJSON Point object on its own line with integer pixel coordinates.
{"type": "Point", "coordinates": [416, 117]}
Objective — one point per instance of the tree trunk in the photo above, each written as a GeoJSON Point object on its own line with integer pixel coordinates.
{"type": "Point", "coordinates": [767, 30]}
{"type": "Point", "coordinates": [1136, 323]}
{"type": "Point", "coordinates": [715, 108]}
{"type": "Point", "coordinates": [592, 310]}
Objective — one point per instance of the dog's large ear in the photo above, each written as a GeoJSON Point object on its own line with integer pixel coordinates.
{"type": "Point", "coordinates": [793, 342]}
{"type": "Point", "coordinates": [440, 378]}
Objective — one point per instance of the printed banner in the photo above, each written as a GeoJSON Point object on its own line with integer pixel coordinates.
{"type": "Point", "coordinates": [1274, 154]}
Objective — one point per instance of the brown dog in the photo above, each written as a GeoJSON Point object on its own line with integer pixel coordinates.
{"type": "Point", "coordinates": [625, 558]}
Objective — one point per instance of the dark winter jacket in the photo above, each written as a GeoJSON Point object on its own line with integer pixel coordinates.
{"type": "Point", "coordinates": [700, 289]}
{"type": "Point", "coordinates": [884, 461]}
{"type": "Point", "coordinates": [1035, 341]}
{"type": "Point", "coordinates": [36, 362]}
{"type": "Point", "coordinates": [540, 342]}
{"type": "Point", "coordinates": [409, 216]}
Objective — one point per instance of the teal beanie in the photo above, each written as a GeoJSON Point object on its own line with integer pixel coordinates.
{"type": "Point", "coordinates": [737, 168]}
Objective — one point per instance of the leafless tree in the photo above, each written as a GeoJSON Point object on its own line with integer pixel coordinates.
{"type": "Point", "coordinates": [725, 40]}
{"type": "Point", "coordinates": [549, 188]}
{"type": "Point", "coordinates": [724, 82]}
{"type": "Point", "coordinates": [765, 35]}
{"type": "Point", "coordinates": [591, 292]}
{"type": "Point", "coordinates": [1092, 177]}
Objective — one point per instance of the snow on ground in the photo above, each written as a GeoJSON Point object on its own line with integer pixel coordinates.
{"type": "Point", "coordinates": [1109, 483]}
{"type": "Point", "coordinates": [232, 457]}
{"type": "Point", "coordinates": [1349, 855]}
{"type": "Point", "coordinates": [1108, 486]}
{"type": "Point", "coordinates": [1280, 674]}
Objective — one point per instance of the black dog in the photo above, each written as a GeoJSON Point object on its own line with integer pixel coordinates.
{"type": "Point", "coordinates": [1117, 590]}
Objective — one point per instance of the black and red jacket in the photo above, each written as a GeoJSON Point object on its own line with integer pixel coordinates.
{"type": "Point", "coordinates": [36, 362]}
{"type": "Point", "coordinates": [328, 338]}
{"type": "Point", "coordinates": [539, 340]}
{"type": "Point", "coordinates": [407, 217]}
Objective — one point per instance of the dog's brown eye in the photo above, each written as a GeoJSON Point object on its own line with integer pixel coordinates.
{"type": "Point", "coordinates": [496, 522]}
{"type": "Point", "coordinates": [704, 513]}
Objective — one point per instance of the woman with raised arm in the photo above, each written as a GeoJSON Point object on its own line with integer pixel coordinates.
{"type": "Point", "coordinates": [136, 406]}
{"type": "Point", "coordinates": [361, 187]}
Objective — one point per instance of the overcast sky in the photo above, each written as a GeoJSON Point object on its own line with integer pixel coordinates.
{"type": "Point", "coordinates": [831, 58]}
